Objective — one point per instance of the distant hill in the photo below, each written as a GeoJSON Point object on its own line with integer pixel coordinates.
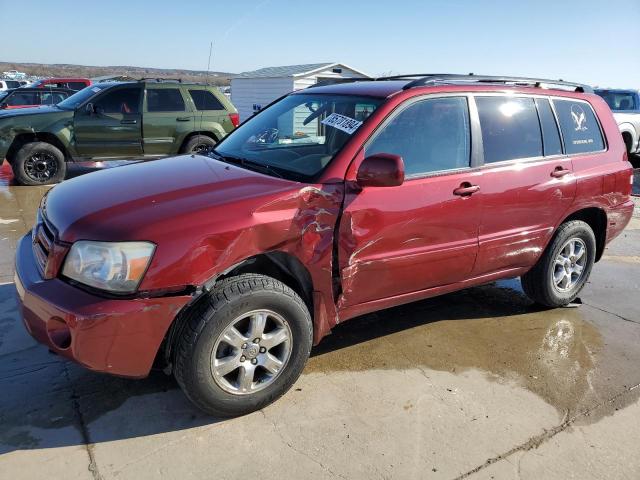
{"type": "Point", "coordinates": [66, 70]}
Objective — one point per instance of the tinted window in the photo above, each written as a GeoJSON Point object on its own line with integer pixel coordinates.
{"type": "Point", "coordinates": [580, 129]}
{"type": "Point", "coordinates": [430, 135]}
{"type": "Point", "coordinates": [164, 100]}
{"type": "Point", "coordinates": [550, 134]}
{"type": "Point", "coordinates": [620, 100]}
{"type": "Point", "coordinates": [23, 98]}
{"type": "Point", "coordinates": [52, 98]}
{"type": "Point", "coordinates": [122, 100]}
{"type": "Point", "coordinates": [76, 85]}
{"type": "Point", "coordinates": [12, 84]}
{"type": "Point", "coordinates": [205, 100]}
{"type": "Point", "coordinates": [510, 128]}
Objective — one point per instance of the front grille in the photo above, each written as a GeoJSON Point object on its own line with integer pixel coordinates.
{"type": "Point", "coordinates": [43, 244]}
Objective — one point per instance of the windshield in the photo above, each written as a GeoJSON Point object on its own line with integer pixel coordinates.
{"type": "Point", "coordinates": [82, 96]}
{"type": "Point", "coordinates": [298, 136]}
{"type": "Point", "coordinates": [620, 100]}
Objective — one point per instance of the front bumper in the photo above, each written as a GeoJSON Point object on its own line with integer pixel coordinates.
{"type": "Point", "coordinates": [115, 336]}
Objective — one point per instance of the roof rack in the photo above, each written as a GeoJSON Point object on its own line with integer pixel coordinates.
{"type": "Point", "coordinates": [426, 79]}
{"type": "Point", "coordinates": [160, 80]}
{"type": "Point", "coordinates": [438, 78]}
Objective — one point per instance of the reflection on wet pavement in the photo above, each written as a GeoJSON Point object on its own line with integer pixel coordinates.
{"type": "Point", "coordinates": [560, 354]}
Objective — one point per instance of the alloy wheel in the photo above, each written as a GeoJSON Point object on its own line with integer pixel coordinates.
{"type": "Point", "coordinates": [251, 352]}
{"type": "Point", "coordinates": [569, 265]}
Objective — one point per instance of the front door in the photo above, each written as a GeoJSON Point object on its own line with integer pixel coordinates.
{"type": "Point", "coordinates": [113, 128]}
{"type": "Point", "coordinates": [424, 233]}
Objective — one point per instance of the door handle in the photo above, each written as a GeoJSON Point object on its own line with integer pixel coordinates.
{"type": "Point", "coordinates": [560, 172]}
{"type": "Point", "coordinates": [466, 189]}
{"type": "Point", "coordinates": [183, 119]}
{"type": "Point", "coordinates": [129, 122]}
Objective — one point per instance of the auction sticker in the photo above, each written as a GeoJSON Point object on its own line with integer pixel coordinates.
{"type": "Point", "coordinates": [346, 124]}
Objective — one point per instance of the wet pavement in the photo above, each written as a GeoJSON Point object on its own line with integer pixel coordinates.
{"type": "Point", "coordinates": [475, 384]}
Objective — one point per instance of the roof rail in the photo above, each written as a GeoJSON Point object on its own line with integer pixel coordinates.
{"type": "Point", "coordinates": [426, 79]}
{"type": "Point", "coordinates": [437, 78]}
{"type": "Point", "coordinates": [160, 80]}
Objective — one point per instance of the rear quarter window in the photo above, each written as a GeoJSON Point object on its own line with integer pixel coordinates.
{"type": "Point", "coordinates": [205, 100]}
{"type": "Point", "coordinates": [579, 126]}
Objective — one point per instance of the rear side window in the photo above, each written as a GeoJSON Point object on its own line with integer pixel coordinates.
{"type": "Point", "coordinates": [23, 98]}
{"type": "Point", "coordinates": [580, 129]}
{"type": "Point", "coordinates": [550, 134]}
{"type": "Point", "coordinates": [76, 85]}
{"type": "Point", "coordinates": [164, 100]}
{"type": "Point", "coordinates": [430, 135]}
{"type": "Point", "coordinates": [510, 128]}
{"type": "Point", "coordinates": [205, 100]}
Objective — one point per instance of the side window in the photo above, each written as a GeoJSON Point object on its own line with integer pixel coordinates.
{"type": "Point", "coordinates": [510, 128]}
{"type": "Point", "coordinates": [121, 100]}
{"type": "Point", "coordinates": [23, 98]}
{"type": "Point", "coordinates": [76, 85]}
{"type": "Point", "coordinates": [579, 126]}
{"type": "Point", "coordinates": [550, 133]}
{"type": "Point", "coordinates": [205, 100]}
{"type": "Point", "coordinates": [430, 135]}
{"type": "Point", "coordinates": [164, 100]}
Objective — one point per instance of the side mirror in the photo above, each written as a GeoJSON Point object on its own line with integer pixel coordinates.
{"type": "Point", "coordinates": [90, 109]}
{"type": "Point", "coordinates": [381, 170]}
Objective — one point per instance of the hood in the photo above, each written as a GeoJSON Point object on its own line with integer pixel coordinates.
{"type": "Point", "coordinates": [146, 200]}
{"type": "Point", "coordinates": [39, 110]}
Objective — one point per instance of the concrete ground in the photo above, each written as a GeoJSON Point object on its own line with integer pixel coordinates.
{"type": "Point", "coordinates": [477, 384]}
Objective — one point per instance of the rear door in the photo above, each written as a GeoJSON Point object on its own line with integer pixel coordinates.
{"type": "Point", "coordinates": [209, 109]}
{"type": "Point", "coordinates": [399, 240]}
{"type": "Point", "coordinates": [527, 181]}
{"type": "Point", "coordinates": [167, 120]}
{"type": "Point", "coordinates": [114, 129]}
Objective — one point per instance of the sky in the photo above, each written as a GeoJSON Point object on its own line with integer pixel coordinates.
{"type": "Point", "coordinates": [588, 41]}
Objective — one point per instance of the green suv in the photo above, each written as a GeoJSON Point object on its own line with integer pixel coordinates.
{"type": "Point", "coordinates": [125, 120]}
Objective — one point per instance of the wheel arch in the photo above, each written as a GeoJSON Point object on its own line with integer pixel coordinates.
{"type": "Point", "coordinates": [282, 266]}
{"type": "Point", "coordinates": [596, 218]}
{"type": "Point", "coordinates": [23, 138]}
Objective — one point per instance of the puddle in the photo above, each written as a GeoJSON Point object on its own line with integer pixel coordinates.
{"type": "Point", "coordinates": [560, 354]}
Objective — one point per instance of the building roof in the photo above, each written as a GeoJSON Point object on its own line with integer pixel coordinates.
{"type": "Point", "coordinates": [294, 70]}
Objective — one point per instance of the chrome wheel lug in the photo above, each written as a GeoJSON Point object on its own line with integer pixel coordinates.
{"type": "Point", "coordinates": [262, 349]}
{"type": "Point", "coordinates": [256, 340]}
{"type": "Point", "coordinates": [244, 346]}
{"type": "Point", "coordinates": [254, 361]}
{"type": "Point", "coordinates": [242, 358]}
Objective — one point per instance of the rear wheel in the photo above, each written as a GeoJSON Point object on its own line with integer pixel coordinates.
{"type": "Point", "coordinates": [564, 268]}
{"type": "Point", "coordinates": [244, 346]}
{"type": "Point", "coordinates": [198, 144]}
{"type": "Point", "coordinates": [39, 163]}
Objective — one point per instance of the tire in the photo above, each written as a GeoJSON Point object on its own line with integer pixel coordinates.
{"type": "Point", "coordinates": [539, 284]}
{"type": "Point", "coordinates": [203, 336]}
{"type": "Point", "coordinates": [38, 163]}
{"type": "Point", "coordinates": [198, 143]}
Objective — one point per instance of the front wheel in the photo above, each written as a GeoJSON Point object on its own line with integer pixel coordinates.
{"type": "Point", "coordinates": [38, 163]}
{"type": "Point", "coordinates": [244, 346]}
{"type": "Point", "coordinates": [564, 268]}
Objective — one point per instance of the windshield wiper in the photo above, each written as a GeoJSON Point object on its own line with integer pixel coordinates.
{"type": "Point", "coordinates": [245, 162]}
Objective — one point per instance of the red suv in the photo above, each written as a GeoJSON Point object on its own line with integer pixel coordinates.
{"type": "Point", "coordinates": [333, 202]}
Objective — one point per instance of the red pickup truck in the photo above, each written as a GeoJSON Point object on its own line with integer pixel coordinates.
{"type": "Point", "coordinates": [333, 202]}
{"type": "Point", "coordinates": [70, 83]}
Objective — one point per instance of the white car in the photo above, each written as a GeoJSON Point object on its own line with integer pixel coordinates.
{"type": "Point", "coordinates": [625, 105]}
{"type": "Point", "coordinates": [6, 84]}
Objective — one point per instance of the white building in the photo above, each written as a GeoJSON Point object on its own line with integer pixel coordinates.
{"type": "Point", "coordinates": [251, 91]}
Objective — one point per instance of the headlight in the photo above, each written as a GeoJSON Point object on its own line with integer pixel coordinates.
{"type": "Point", "coordinates": [113, 266]}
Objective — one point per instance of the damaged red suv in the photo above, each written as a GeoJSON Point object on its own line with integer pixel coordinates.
{"type": "Point", "coordinates": [335, 201]}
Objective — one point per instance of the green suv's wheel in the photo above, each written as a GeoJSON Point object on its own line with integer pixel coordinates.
{"type": "Point", "coordinates": [38, 163]}
{"type": "Point", "coordinates": [198, 144]}
{"type": "Point", "coordinates": [244, 346]}
{"type": "Point", "coordinates": [564, 268]}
